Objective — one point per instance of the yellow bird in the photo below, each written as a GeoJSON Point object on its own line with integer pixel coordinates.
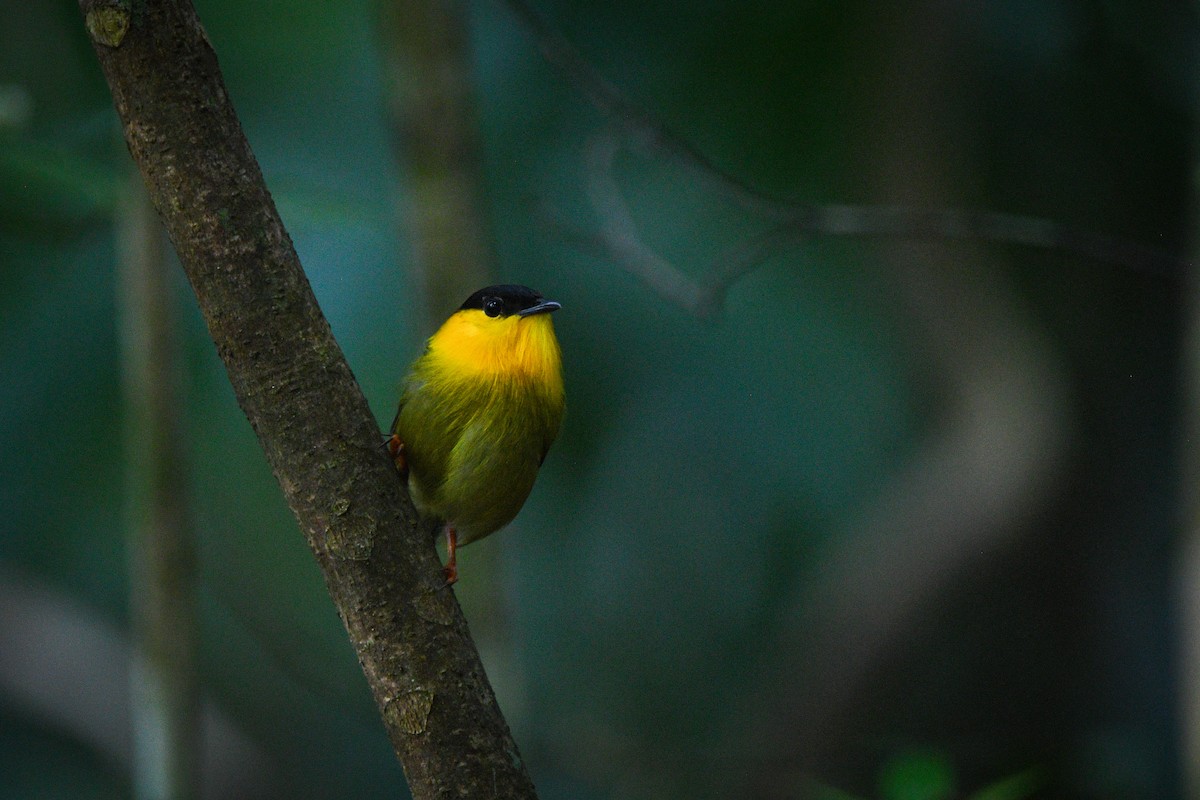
{"type": "Point", "coordinates": [478, 413]}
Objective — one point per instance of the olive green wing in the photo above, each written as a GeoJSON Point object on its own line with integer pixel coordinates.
{"type": "Point", "coordinates": [430, 422]}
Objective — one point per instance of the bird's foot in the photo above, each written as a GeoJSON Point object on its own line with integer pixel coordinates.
{"type": "Point", "coordinates": [451, 568]}
{"type": "Point", "coordinates": [396, 450]}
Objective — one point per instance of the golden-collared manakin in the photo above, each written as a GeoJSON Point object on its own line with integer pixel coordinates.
{"type": "Point", "coordinates": [478, 412]}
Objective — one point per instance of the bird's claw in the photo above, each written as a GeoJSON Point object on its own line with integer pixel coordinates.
{"type": "Point", "coordinates": [396, 450]}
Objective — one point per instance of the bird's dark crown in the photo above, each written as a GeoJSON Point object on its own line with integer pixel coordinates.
{"type": "Point", "coordinates": [515, 298]}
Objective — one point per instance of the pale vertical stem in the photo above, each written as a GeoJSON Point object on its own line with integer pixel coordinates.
{"type": "Point", "coordinates": [431, 100]}
{"type": "Point", "coordinates": [1189, 607]}
{"type": "Point", "coordinates": [1188, 574]}
{"type": "Point", "coordinates": [164, 694]}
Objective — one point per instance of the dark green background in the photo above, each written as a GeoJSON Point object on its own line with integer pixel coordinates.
{"type": "Point", "coordinates": [649, 619]}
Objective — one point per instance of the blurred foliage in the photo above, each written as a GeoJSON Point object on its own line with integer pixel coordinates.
{"type": "Point", "coordinates": [917, 776]}
{"type": "Point", "coordinates": [929, 775]}
{"type": "Point", "coordinates": [36, 762]}
{"type": "Point", "coordinates": [636, 613]}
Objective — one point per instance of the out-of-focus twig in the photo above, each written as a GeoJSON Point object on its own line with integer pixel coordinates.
{"type": "Point", "coordinates": [1188, 577]}
{"type": "Point", "coordinates": [619, 235]}
{"type": "Point", "coordinates": [618, 239]}
{"type": "Point", "coordinates": [788, 221]}
{"type": "Point", "coordinates": [164, 690]}
{"type": "Point", "coordinates": [639, 128]}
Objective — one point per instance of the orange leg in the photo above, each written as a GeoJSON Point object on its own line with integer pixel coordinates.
{"type": "Point", "coordinates": [451, 569]}
{"type": "Point", "coordinates": [396, 449]}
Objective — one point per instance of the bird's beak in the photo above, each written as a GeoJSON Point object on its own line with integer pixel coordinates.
{"type": "Point", "coordinates": [543, 307]}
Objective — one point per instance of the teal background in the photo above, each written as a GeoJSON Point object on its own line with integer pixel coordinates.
{"type": "Point", "coordinates": [671, 615]}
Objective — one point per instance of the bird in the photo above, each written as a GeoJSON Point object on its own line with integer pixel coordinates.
{"type": "Point", "coordinates": [478, 412]}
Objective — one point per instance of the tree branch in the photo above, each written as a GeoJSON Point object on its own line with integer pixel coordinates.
{"type": "Point", "coordinates": [297, 391]}
{"type": "Point", "coordinates": [790, 222]}
{"type": "Point", "coordinates": [617, 237]}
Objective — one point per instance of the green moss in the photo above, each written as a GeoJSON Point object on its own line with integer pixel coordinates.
{"type": "Point", "coordinates": [411, 711]}
{"type": "Point", "coordinates": [108, 24]}
{"type": "Point", "coordinates": [434, 606]}
{"type": "Point", "coordinates": [353, 539]}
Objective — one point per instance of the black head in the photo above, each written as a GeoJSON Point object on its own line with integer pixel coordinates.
{"type": "Point", "coordinates": [508, 299]}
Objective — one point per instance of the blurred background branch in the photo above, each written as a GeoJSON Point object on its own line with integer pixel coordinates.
{"type": "Point", "coordinates": [162, 571]}
{"type": "Point", "coordinates": [430, 94]}
{"type": "Point", "coordinates": [1187, 573]}
{"type": "Point", "coordinates": [790, 221]}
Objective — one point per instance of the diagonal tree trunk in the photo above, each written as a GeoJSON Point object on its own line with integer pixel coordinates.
{"type": "Point", "coordinates": [294, 385]}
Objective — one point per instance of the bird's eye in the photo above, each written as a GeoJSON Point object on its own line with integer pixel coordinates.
{"type": "Point", "coordinates": [493, 306]}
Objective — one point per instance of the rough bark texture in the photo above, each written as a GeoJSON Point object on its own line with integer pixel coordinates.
{"type": "Point", "coordinates": [296, 389]}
